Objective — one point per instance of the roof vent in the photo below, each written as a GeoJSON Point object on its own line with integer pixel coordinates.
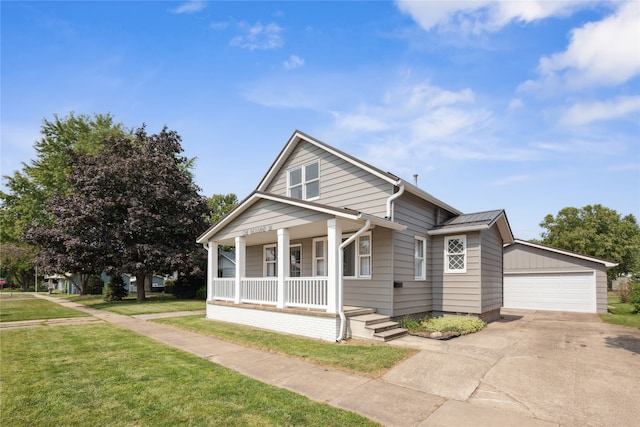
{"type": "Point", "coordinates": [415, 179]}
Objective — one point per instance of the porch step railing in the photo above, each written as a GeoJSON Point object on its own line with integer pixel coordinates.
{"type": "Point", "coordinates": [302, 292]}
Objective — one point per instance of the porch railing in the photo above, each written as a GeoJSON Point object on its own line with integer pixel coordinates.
{"type": "Point", "coordinates": [259, 290]}
{"type": "Point", "coordinates": [224, 289]}
{"type": "Point", "coordinates": [306, 292]}
{"type": "Point", "coordinates": [302, 292]}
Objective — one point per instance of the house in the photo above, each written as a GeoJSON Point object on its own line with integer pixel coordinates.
{"type": "Point", "coordinates": [328, 246]}
{"type": "Point", "coordinates": [540, 277]}
{"type": "Point", "coordinates": [226, 264]}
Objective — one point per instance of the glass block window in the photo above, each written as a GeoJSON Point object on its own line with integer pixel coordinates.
{"type": "Point", "coordinates": [455, 254]}
{"type": "Point", "coordinates": [304, 182]}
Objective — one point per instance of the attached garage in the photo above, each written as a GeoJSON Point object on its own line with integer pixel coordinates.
{"type": "Point", "coordinates": [538, 277]}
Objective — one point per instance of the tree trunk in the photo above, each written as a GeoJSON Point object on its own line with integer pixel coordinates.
{"type": "Point", "coordinates": [147, 282]}
{"type": "Point", "coordinates": [140, 276]}
{"type": "Point", "coordinates": [84, 279]}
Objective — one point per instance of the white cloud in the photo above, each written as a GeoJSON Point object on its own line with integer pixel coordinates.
{"type": "Point", "coordinates": [479, 16]}
{"type": "Point", "coordinates": [259, 36]}
{"type": "Point", "coordinates": [218, 25]}
{"type": "Point", "coordinates": [603, 53]}
{"type": "Point", "coordinates": [587, 112]}
{"type": "Point", "coordinates": [294, 61]}
{"type": "Point", "coordinates": [190, 7]}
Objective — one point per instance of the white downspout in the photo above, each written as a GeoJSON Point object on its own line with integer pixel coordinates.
{"type": "Point", "coordinates": [391, 199]}
{"type": "Point", "coordinates": [343, 318]}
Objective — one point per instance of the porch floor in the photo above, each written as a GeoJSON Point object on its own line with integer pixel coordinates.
{"type": "Point", "coordinates": [349, 311]}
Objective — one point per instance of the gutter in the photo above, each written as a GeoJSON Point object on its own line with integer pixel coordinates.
{"type": "Point", "coordinates": [343, 318]}
{"type": "Point", "coordinates": [392, 198]}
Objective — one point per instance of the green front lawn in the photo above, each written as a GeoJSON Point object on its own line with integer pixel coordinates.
{"type": "Point", "coordinates": [621, 313]}
{"type": "Point", "coordinates": [155, 303]}
{"type": "Point", "coordinates": [369, 358]}
{"type": "Point", "coordinates": [32, 309]}
{"type": "Point", "coordinates": [104, 375]}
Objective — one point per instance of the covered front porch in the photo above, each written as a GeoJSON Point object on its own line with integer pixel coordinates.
{"type": "Point", "coordinates": [289, 265]}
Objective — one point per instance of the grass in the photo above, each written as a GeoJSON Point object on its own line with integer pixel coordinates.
{"type": "Point", "coordinates": [368, 358]}
{"type": "Point", "coordinates": [10, 294]}
{"type": "Point", "coordinates": [155, 303]}
{"type": "Point", "coordinates": [621, 313]}
{"type": "Point", "coordinates": [104, 375]}
{"type": "Point", "coordinates": [32, 309]}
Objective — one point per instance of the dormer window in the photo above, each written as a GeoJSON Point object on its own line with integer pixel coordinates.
{"type": "Point", "coordinates": [304, 182]}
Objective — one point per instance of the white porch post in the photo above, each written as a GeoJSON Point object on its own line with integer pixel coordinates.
{"type": "Point", "coordinates": [241, 255]}
{"type": "Point", "coordinates": [212, 268]}
{"type": "Point", "coordinates": [334, 238]}
{"type": "Point", "coordinates": [284, 264]}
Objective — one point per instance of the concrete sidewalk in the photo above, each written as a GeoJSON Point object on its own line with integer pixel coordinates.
{"type": "Point", "coordinates": [388, 402]}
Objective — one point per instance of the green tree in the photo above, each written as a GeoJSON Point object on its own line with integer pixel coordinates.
{"type": "Point", "coordinates": [23, 206]}
{"type": "Point", "coordinates": [16, 264]}
{"type": "Point", "coordinates": [220, 205]}
{"type": "Point", "coordinates": [132, 207]}
{"type": "Point", "coordinates": [597, 231]}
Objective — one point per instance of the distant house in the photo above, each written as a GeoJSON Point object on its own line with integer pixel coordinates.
{"type": "Point", "coordinates": [327, 240]}
{"type": "Point", "coordinates": [226, 264]}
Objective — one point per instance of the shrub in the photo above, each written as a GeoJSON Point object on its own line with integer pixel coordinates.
{"type": "Point", "coordinates": [462, 325]}
{"type": "Point", "coordinates": [95, 285]}
{"type": "Point", "coordinates": [169, 286]}
{"type": "Point", "coordinates": [115, 289]}
{"type": "Point", "coordinates": [201, 293]}
{"type": "Point", "coordinates": [635, 296]}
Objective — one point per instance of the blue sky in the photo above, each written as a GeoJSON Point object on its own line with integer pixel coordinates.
{"type": "Point", "coordinates": [526, 106]}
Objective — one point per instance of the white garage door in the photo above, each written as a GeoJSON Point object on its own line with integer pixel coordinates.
{"type": "Point", "coordinates": [557, 291]}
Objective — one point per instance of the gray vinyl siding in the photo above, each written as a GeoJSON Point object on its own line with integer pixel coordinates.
{"type": "Point", "coordinates": [342, 184]}
{"type": "Point", "coordinates": [267, 213]}
{"type": "Point", "coordinates": [376, 292]}
{"type": "Point", "coordinates": [492, 276]}
{"type": "Point", "coordinates": [415, 296]}
{"type": "Point", "coordinates": [457, 292]}
{"type": "Point", "coordinates": [525, 259]}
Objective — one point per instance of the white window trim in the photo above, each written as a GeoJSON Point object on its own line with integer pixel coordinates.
{"type": "Point", "coordinates": [316, 258]}
{"type": "Point", "coordinates": [297, 245]}
{"type": "Point", "coordinates": [356, 242]}
{"type": "Point", "coordinates": [463, 253]}
{"type": "Point", "coordinates": [304, 182]}
{"type": "Point", "coordinates": [423, 243]}
{"type": "Point", "coordinates": [265, 262]}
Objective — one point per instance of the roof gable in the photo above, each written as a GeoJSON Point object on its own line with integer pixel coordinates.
{"type": "Point", "coordinates": [344, 213]}
{"type": "Point", "coordinates": [298, 137]}
{"type": "Point", "coordinates": [605, 262]}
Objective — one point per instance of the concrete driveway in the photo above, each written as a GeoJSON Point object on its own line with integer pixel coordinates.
{"type": "Point", "coordinates": [566, 368]}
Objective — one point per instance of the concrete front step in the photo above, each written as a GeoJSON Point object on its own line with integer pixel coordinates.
{"type": "Point", "coordinates": [390, 334]}
{"type": "Point", "coordinates": [375, 327]}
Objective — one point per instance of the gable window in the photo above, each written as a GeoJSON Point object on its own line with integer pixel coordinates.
{"type": "Point", "coordinates": [420, 253]}
{"type": "Point", "coordinates": [304, 182]}
{"type": "Point", "coordinates": [270, 268]}
{"type": "Point", "coordinates": [319, 257]}
{"type": "Point", "coordinates": [357, 257]}
{"type": "Point", "coordinates": [455, 254]}
{"type": "Point", "coordinates": [295, 254]}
